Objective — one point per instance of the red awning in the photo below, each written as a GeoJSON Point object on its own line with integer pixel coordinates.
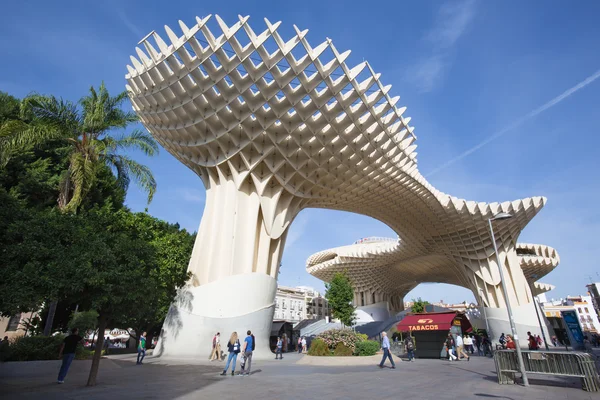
{"type": "Point", "coordinates": [427, 322]}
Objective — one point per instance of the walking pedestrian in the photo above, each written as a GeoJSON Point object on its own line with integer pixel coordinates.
{"type": "Point", "coordinates": [299, 344]}
{"type": "Point", "coordinates": [385, 346]}
{"type": "Point", "coordinates": [234, 348]}
{"type": "Point", "coordinates": [533, 345]}
{"type": "Point", "coordinates": [478, 345]}
{"type": "Point", "coordinates": [410, 348]}
{"type": "Point", "coordinates": [502, 340]}
{"type": "Point", "coordinates": [303, 344]}
{"type": "Point", "coordinates": [141, 350]}
{"type": "Point", "coordinates": [468, 343]}
{"type": "Point", "coordinates": [460, 348]}
{"type": "Point", "coordinates": [510, 343]}
{"type": "Point", "coordinates": [67, 353]}
{"type": "Point", "coordinates": [216, 347]}
{"type": "Point", "coordinates": [279, 349]}
{"type": "Point", "coordinates": [248, 347]}
{"type": "Point", "coordinates": [539, 341]}
{"type": "Point", "coordinates": [449, 347]}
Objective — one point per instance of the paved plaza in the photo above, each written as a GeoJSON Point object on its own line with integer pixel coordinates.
{"type": "Point", "coordinates": [294, 377]}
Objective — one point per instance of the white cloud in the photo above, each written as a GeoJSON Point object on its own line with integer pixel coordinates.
{"type": "Point", "coordinates": [130, 25]}
{"type": "Point", "coordinates": [191, 195]}
{"type": "Point", "coordinates": [297, 229]}
{"type": "Point", "coordinates": [451, 22]}
{"type": "Point", "coordinates": [587, 81]}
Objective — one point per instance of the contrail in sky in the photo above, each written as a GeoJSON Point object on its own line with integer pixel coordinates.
{"type": "Point", "coordinates": [520, 121]}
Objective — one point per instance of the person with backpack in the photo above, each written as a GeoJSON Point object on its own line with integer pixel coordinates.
{"type": "Point", "coordinates": [234, 348]}
{"type": "Point", "coordinates": [249, 346]}
{"type": "Point", "coordinates": [410, 348]}
{"type": "Point", "coordinates": [279, 349]}
{"type": "Point", "coordinates": [216, 347]}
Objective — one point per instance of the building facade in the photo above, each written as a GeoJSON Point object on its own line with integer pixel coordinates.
{"type": "Point", "coordinates": [290, 304]}
{"type": "Point", "coordinates": [15, 325]}
{"type": "Point", "coordinates": [299, 303]}
{"type": "Point", "coordinates": [582, 305]}
{"type": "Point", "coordinates": [594, 293]}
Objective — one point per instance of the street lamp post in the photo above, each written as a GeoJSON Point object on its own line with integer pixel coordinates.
{"type": "Point", "coordinates": [487, 324]}
{"type": "Point", "coordinates": [537, 306]}
{"type": "Point", "coordinates": [511, 319]}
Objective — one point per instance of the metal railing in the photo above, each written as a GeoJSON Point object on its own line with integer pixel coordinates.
{"type": "Point", "coordinates": [558, 363]}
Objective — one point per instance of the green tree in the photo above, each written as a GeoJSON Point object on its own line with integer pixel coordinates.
{"type": "Point", "coordinates": [83, 134]}
{"type": "Point", "coordinates": [340, 294]}
{"type": "Point", "coordinates": [418, 305]}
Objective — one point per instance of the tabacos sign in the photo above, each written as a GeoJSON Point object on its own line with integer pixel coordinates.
{"type": "Point", "coordinates": [424, 324]}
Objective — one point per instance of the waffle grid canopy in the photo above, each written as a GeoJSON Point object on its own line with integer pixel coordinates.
{"type": "Point", "coordinates": [273, 126]}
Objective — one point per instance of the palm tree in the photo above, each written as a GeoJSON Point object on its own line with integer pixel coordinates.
{"type": "Point", "coordinates": [84, 131]}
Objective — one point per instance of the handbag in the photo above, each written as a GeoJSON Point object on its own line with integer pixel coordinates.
{"type": "Point", "coordinates": [236, 347]}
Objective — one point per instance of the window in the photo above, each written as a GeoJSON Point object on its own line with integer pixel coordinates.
{"type": "Point", "coordinates": [586, 310]}
{"type": "Point", "coordinates": [13, 322]}
{"type": "Point", "coordinates": [579, 309]}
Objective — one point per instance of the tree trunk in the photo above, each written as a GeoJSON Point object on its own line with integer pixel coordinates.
{"type": "Point", "coordinates": [50, 318]}
{"type": "Point", "coordinates": [98, 352]}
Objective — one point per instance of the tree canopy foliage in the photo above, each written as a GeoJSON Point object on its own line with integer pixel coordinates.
{"type": "Point", "coordinates": [65, 234]}
{"type": "Point", "coordinates": [339, 294]}
{"type": "Point", "coordinates": [418, 305]}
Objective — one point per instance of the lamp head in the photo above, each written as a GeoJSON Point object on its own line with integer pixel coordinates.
{"type": "Point", "coordinates": [500, 216]}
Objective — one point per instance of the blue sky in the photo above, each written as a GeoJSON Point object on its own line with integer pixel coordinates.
{"type": "Point", "coordinates": [482, 81]}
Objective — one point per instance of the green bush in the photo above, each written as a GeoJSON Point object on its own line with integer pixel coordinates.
{"type": "Point", "coordinates": [367, 348]}
{"type": "Point", "coordinates": [346, 336]}
{"type": "Point", "coordinates": [31, 348]}
{"type": "Point", "coordinates": [342, 350]}
{"type": "Point", "coordinates": [319, 348]}
{"type": "Point", "coordinates": [362, 336]}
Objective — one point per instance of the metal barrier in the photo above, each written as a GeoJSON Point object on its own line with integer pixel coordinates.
{"type": "Point", "coordinates": [558, 363]}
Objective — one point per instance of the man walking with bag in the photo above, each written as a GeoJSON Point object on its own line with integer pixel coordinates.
{"type": "Point", "coordinates": [385, 346]}
{"type": "Point", "coordinates": [248, 347]}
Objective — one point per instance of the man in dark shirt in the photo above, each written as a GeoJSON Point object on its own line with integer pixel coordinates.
{"type": "Point", "coordinates": [67, 352]}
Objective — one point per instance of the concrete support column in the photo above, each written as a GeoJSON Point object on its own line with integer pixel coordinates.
{"type": "Point", "coordinates": [234, 268]}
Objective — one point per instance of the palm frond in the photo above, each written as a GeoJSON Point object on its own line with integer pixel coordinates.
{"type": "Point", "coordinates": [55, 115]}
{"type": "Point", "coordinates": [138, 140]}
{"type": "Point", "coordinates": [82, 175]}
{"type": "Point", "coordinates": [122, 172]}
{"type": "Point", "coordinates": [140, 174]}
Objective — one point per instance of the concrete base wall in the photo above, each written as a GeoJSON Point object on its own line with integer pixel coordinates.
{"type": "Point", "coordinates": [235, 303]}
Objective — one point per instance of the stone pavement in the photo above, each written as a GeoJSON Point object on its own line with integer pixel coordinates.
{"type": "Point", "coordinates": [290, 378]}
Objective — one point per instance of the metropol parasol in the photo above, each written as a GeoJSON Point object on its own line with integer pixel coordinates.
{"type": "Point", "coordinates": [272, 126]}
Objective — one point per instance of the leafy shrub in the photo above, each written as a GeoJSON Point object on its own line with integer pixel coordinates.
{"type": "Point", "coordinates": [31, 348]}
{"type": "Point", "coordinates": [342, 350]}
{"type": "Point", "coordinates": [318, 348]}
{"type": "Point", "coordinates": [367, 348]}
{"type": "Point", "coordinates": [362, 336]}
{"type": "Point", "coordinates": [346, 336]}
